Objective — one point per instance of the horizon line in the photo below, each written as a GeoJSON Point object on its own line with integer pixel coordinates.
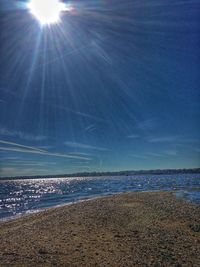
{"type": "Point", "coordinates": [101, 173]}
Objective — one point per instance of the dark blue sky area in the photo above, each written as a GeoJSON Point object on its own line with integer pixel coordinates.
{"type": "Point", "coordinates": [113, 86]}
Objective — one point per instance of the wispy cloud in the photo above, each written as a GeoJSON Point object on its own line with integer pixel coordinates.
{"type": "Point", "coordinates": [148, 155]}
{"type": "Point", "coordinates": [15, 147]}
{"type": "Point", "coordinates": [80, 153]}
{"type": "Point", "coordinates": [80, 163]}
{"type": "Point", "coordinates": [153, 154]}
{"type": "Point", "coordinates": [190, 140]}
{"type": "Point", "coordinates": [46, 153]}
{"type": "Point", "coordinates": [25, 164]}
{"type": "Point", "coordinates": [64, 54]}
{"type": "Point", "coordinates": [11, 158]}
{"type": "Point", "coordinates": [162, 139]}
{"type": "Point", "coordinates": [22, 135]}
{"type": "Point", "coordinates": [133, 136]}
{"type": "Point", "coordinates": [45, 147]}
{"type": "Point", "coordinates": [180, 140]}
{"type": "Point", "coordinates": [147, 124]}
{"type": "Point", "coordinates": [85, 146]}
{"type": "Point", "coordinates": [90, 128]}
{"type": "Point", "coordinates": [20, 145]}
{"type": "Point", "coordinates": [79, 113]}
{"type": "Point", "coordinates": [170, 152]}
{"type": "Point", "coordinates": [28, 162]}
{"type": "Point", "coordinates": [139, 156]}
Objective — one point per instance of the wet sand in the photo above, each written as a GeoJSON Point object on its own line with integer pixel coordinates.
{"type": "Point", "coordinates": [132, 229]}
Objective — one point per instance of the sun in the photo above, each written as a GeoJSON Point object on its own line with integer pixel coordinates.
{"type": "Point", "coordinates": [46, 11]}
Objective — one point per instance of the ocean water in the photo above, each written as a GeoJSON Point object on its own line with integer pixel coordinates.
{"type": "Point", "coordinates": [19, 197]}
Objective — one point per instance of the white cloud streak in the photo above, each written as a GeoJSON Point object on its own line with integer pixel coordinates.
{"type": "Point", "coordinates": [85, 146]}
{"type": "Point", "coordinates": [139, 157]}
{"type": "Point", "coordinates": [20, 145]}
{"type": "Point", "coordinates": [170, 152]}
{"type": "Point", "coordinates": [76, 112]}
{"type": "Point", "coordinates": [24, 136]}
{"type": "Point", "coordinates": [153, 154]}
{"type": "Point", "coordinates": [90, 128]}
{"type": "Point", "coordinates": [15, 147]}
{"type": "Point", "coordinates": [133, 136]}
{"type": "Point", "coordinates": [162, 139]}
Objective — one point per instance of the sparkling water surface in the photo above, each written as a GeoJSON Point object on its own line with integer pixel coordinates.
{"type": "Point", "coordinates": [18, 197]}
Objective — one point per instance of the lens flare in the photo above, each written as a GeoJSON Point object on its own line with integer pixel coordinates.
{"type": "Point", "coordinates": [46, 11]}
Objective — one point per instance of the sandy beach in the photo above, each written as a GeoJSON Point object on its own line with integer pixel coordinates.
{"type": "Point", "coordinates": [131, 229]}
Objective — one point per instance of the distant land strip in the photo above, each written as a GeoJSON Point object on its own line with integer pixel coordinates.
{"type": "Point", "coordinates": [109, 173]}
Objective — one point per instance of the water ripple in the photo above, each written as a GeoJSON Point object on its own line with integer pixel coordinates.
{"type": "Point", "coordinates": [27, 196]}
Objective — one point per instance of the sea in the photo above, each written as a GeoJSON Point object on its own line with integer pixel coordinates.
{"type": "Point", "coordinates": [21, 197]}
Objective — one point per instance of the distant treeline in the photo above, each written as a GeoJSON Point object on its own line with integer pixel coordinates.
{"type": "Point", "coordinates": [119, 173]}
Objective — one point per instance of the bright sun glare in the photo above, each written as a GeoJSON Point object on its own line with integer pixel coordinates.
{"type": "Point", "coordinates": [46, 11]}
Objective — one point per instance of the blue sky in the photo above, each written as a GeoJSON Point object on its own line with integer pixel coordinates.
{"type": "Point", "coordinates": [113, 86]}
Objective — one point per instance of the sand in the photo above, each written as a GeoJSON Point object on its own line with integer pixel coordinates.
{"type": "Point", "coordinates": [131, 229]}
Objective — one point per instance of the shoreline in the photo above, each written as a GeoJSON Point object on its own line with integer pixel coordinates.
{"type": "Point", "coordinates": [36, 211]}
{"type": "Point", "coordinates": [125, 229]}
